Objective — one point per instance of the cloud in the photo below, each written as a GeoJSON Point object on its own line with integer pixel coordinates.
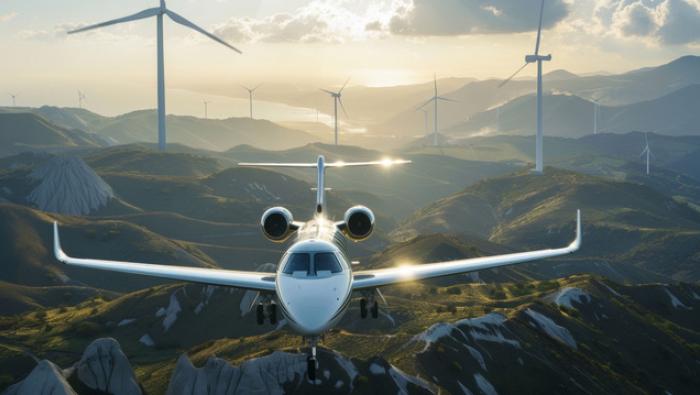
{"type": "Point", "coordinates": [7, 17]}
{"type": "Point", "coordinates": [460, 17]}
{"type": "Point", "coordinates": [326, 21]}
{"type": "Point", "coordinates": [673, 22]}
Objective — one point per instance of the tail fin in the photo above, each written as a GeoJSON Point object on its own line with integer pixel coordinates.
{"type": "Point", "coordinates": [321, 167]}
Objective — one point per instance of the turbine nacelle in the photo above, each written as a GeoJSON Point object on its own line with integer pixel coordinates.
{"type": "Point", "coordinates": [535, 58]}
{"type": "Point", "coordinates": [358, 223]}
{"type": "Point", "coordinates": [278, 224]}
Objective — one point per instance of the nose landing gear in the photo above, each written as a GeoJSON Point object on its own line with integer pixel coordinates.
{"type": "Point", "coordinates": [311, 360]}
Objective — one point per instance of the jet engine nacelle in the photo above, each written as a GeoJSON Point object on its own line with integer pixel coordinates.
{"type": "Point", "coordinates": [277, 224]}
{"type": "Point", "coordinates": [358, 223]}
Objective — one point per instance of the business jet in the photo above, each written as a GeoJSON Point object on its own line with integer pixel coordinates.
{"type": "Point", "coordinates": [314, 282]}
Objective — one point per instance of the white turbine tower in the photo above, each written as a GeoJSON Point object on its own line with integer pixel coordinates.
{"type": "Point", "coordinates": [81, 98]}
{"type": "Point", "coordinates": [158, 12]}
{"type": "Point", "coordinates": [646, 151]}
{"type": "Point", "coordinates": [596, 114]}
{"type": "Point", "coordinates": [250, 96]}
{"type": "Point", "coordinates": [337, 100]}
{"type": "Point", "coordinates": [14, 99]}
{"type": "Point", "coordinates": [536, 58]}
{"type": "Point", "coordinates": [206, 109]}
{"type": "Point", "coordinates": [435, 99]}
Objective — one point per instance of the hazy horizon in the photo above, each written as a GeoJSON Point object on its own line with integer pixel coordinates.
{"type": "Point", "coordinates": [319, 44]}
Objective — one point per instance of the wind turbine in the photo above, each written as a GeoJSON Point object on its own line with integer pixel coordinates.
{"type": "Point", "coordinates": [646, 151]}
{"type": "Point", "coordinates": [14, 99]}
{"type": "Point", "coordinates": [206, 108]}
{"type": "Point", "coordinates": [536, 58]}
{"type": "Point", "coordinates": [337, 100]}
{"type": "Point", "coordinates": [596, 114]}
{"type": "Point", "coordinates": [250, 95]}
{"type": "Point", "coordinates": [435, 100]}
{"type": "Point", "coordinates": [81, 97]}
{"type": "Point", "coordinates": [158, 12]}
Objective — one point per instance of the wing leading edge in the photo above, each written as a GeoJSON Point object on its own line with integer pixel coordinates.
{"type": "Point", "coordinates": [382, 277]}
{"type": "Point", "coordinates": [231, 278]}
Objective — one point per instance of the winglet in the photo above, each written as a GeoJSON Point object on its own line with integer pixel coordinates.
{"type": "Point", "coordinates": [576, 244]}
{"type": "Point", "coordinates": [57, 251]}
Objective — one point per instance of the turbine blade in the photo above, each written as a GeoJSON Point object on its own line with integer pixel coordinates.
{"type": "Point", "coordinates": [329, 92]}
{"type": "Point", "coordinates": [139, 15]}
{"type": "Point", "coordinates": [539, 30]}
{"type": "Point", "coordinates": [184, 22]}
{"type": "Point", "coordinates": [343, 87]}
{"type": "Point", "coordinates": [257, 86]}
{"type": "Point", "coordinates": [447, 99]}
{"type": "Point", "coordinates": [435, 83]}
{"type": "Point", "coordinates": [512, 75]}
{"type": "Point", "coordinates": [342, 107]}
{"type": "Point", "coordinates": [426, 103]}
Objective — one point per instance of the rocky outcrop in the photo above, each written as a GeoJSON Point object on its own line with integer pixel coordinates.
{"type": "Point", "coordinates": [45, 378]}
{"type": "Point", "coordinates": [104, 367]}
{"type": "Point", "coordinates": [67, 185]}
{"type": "Point", "coordinates": [265, 375]}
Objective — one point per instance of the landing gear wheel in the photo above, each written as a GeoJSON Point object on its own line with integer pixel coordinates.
{"type": "Point", "coordinates": [363, 308]}
{"type": "Point", "coordinates": [311, 368]}
{"type": "Point", "coordinates": [272, 312]}
{"type": "Point", "coordinates": [375, 310]}
{"type": "Point", "coordinates": [260, 314]}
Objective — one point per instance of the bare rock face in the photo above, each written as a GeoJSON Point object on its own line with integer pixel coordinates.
{"type": "Point", "coordinates": [45, 378]}
{"type": "Point", "coordinates": [67, 185]}
{"type": "Point", "coordinates": [104, 367]}
{"type": "Point", "coordinates": [265, 375]}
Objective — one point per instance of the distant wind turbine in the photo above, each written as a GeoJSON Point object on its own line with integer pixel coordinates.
{"type": "Point", "coordinates": [14, 99]}
{"type": "Point", "coordinates": [81, 98]}
{"type": "Point", "coordinates": [206, 108]}
{"type": "Point", "coordinates": [596, 114]}
{"type": "Point", "coordinates": [536, 58]}
{"type": "Point", "coordinates": [158, 12]}
{"type": "Point", "coordinates": [646, 151]}
{"type": "Point", "coordinates": [250, 95]}
{"type": "Point", "coordinates": [337, 100]}
{"type": "Point", "coordinates": [435, 100]}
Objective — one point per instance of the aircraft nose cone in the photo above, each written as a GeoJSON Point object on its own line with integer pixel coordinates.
{"type": "Point", "coordinates": [312, 305]}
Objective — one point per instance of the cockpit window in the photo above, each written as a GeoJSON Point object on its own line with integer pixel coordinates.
{"type": "Point", "coordinates": [298, 262]}
{"type": "Point", "coordinates": [327, 262]}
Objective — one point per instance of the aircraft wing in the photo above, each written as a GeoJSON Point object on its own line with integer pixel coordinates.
{"type": "Point", "coordinates": [381, 277]}
{"type": "Point", "coordinates": [231, 278]}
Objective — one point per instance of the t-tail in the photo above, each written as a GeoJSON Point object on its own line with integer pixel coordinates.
{"type": "Point", "coordinates": [321, 165]}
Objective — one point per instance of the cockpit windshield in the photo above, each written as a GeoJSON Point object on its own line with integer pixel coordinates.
{"type": "Point", "coordinates": [302, 264]}
{"type": "Point", "coordinates": [326, 262]}
{"type": "Point", "coordinates": [298, 262]}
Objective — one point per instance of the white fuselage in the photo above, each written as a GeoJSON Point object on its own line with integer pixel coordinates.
{"type": "Point", "coordinates": [314, 279]}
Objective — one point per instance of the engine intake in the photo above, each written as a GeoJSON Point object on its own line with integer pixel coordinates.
{"type": "Point", "coordinates": [358, 223]}
{"type": "Point", "coordinates": [277, 224]}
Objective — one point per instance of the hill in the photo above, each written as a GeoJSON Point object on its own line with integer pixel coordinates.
{"type": "Point", "coordinates": [532, 336]}
{"type": "Point", "coordinates": [635, 86]}
{"type": "Point", "coordinates": [23, 131]}
{"type": "Point", "coordinates": [572, 116]}
{"type": "Point", "coordinates": [529, 211]}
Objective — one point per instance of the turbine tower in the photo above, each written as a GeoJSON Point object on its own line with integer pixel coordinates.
{"type": "Point", "coordinates": [435, 99]}
{"type": "Point", "coordinates": [250, 96]}
{"type": "Point", "coordinates": [536, 58]}
{"type": "Point", "coordinates": [337, 100]}
{"type": "Point", "coordinates": [206, 108]}
{"type": "Point", "coordinates": [81, 98]}
{"type": "Point", "coordinates": [159, 12]}
{"type": "Point", "coordinates": [596, 114]}
{"type": "Point", "coordinates": [14, 99]}
{"type": "Point", "coordinates": [646, 151]}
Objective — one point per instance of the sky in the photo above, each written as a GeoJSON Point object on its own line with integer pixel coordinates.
{"type": "Point", "coordinates": [322, 42]}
